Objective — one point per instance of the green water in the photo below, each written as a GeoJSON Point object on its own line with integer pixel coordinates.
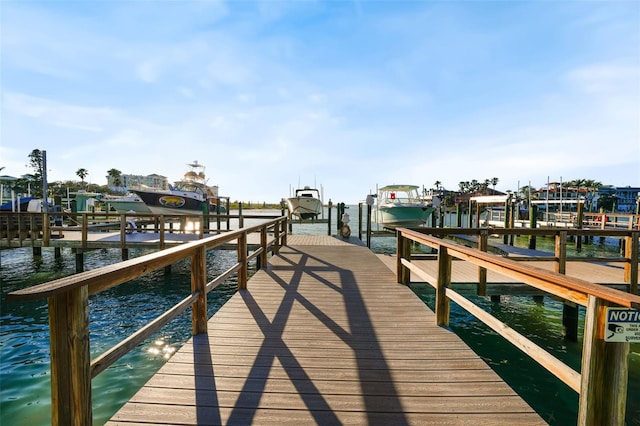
{"type": "Point", "coordinates": [541, 323]}
{"type": "Point", "coordinates": [24, 345]}
{"type": "Point", "coordinates": [114, 314]}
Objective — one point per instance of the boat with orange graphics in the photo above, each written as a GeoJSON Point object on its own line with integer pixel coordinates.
{"type": "Point", "coordinates": [189, 196]}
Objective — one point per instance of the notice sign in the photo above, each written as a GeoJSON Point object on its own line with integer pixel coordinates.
{"type": "Point", "coordinates": [623, 325]}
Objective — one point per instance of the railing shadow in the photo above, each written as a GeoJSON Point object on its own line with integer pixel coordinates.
{"type": "Point", "coordinates": [372, 368]}
{"type": "Point", "coordinates": [207, 411]}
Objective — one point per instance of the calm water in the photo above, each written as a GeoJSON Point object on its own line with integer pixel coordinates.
{"type": "Point", "coordinates": [24, 345]}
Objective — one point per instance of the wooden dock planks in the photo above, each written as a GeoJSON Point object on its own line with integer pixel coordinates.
{"type": "Point", "coordinates": [325, 336]}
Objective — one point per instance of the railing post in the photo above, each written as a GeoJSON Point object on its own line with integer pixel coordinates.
{"type": "Point", "coordinates": [262, 260]}
{"type": "Point", "coordinates": [218, 215]}
{"type": "Point", "coordinates": [32, 229]}
{"type": "Point", "coordinates": [605, 368]}
{"type": "Point", "coordinates": [483, 243]}
{"type": "Point", "coordinates": [70, 358]}
{"type": "Point", "coordinates": [276, 237]}
{"type": "Point", "coordinates": [403, 251]}
{"type": "Point", "coordinates": [561, 252]}
{"type": "Point", "coordinates": [46, 230]}
{"type": "Point", "coordinates": [533, 224]}
{"type": "Point", "coordinates": [85, 230]}
{"type": "Point", "coordinates": [284, 232]}
{"type": "Point", "coordinates": [199, 283]}
{"type": "Point", "coordinates": [162, 236]}
{"type": "Point", "coordinates": [243, 272]}
{"type": "Point", "coordinates": [123, 231]}
{"type": "Point", "coordinates": [444, 280]}
{"type": "Point", "coordinates": [20, 227]}
{"type": "Point", "coordinates": [631, 267]}
{"type": "Point", "coordinates": [360, 221]}
{"type": "Point", "coordinates": [507, 214]}
{"type": "Point", "coordinates": [579, 224]}
{"type": "Point", "coordinates": [330, 207]}
{"type": "Point", "coordinates": [369, 225]}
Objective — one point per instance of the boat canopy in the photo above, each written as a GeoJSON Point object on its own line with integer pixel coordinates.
{"type": "Point", "coordinates": [404, 188]}
{"type": "Point", "coordinates": [490, 199]}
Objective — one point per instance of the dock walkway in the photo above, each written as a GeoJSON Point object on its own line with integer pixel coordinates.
{"type": "Point", "coordinates": [326, 336]}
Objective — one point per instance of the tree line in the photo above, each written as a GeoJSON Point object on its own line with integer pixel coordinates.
{"type": "Point", "coordinates": [477, 187]}
{"type": "Point", "coordinates": [32, 182]}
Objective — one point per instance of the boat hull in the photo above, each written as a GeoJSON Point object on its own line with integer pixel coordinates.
{"type": "Point", "coordinates": [21, 206]}
{"type": "Point", "coordinates": [305, 207]}
{"type": "Point", "coordinates": [161, 202]}
{"type": "Point", "coordinates": [404, 216]}
{"type": "Point", "coordinates": [125, 206]}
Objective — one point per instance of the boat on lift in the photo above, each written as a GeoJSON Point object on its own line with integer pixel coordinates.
{"type": "Point", "coordinates": [402, 206]}
{"type": "Point", "coordinates": [126, 203]}
{"type": "Point", "coordinates": [306, 204]}
{"type": "Point", "coordinates": [189, 196]}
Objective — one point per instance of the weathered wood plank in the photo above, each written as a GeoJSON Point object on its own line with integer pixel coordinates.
{"type": "Point", "coordinates": [325, 335]}
{"type": "Point", "coordinates": [190, 415]}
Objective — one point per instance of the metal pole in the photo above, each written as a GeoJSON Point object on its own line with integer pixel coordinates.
{"type": "Point", "coordinates": [45, 186]}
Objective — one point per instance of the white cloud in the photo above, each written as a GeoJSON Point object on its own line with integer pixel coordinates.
{"type": "Point", "coordinates": [352, 95]}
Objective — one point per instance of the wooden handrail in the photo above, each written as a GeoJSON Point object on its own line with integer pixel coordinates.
{"type": "Point", "coordinates": [68, 299]}
{"type": "Point", "coordinates": [631, 244]}
{"type": "Point", "coordinates": [530, 274]}
{"type": "Point", "coordinates": [112, 275]}
{"type": "Point", "coordinates": [602, 382]}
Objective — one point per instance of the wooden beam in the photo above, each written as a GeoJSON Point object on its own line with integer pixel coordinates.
{"type": "Point", "coordinates": [243, 273]}
{"type": "Point", "coordinates": [198, 285]}
{"type": "Point", "coordinates": [444, 280]}
{"type": "Point", "coordinates": [70, 358]}
{"type": "Point", "coordinates": [605, 368]}
{"type": "Point", "coordinates": [559, 369]}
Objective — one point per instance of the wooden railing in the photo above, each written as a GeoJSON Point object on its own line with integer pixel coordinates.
{"type": "Point", "coordinates": [480, 237]}
{"type": "Point", "coordinates": [38, 229]}
{"type": "Point", "coordinates": [68, 298]}
{"type": "Point", "coordinates": [612, 220]}
{"type": "Point", "coordinates": [602, 382]}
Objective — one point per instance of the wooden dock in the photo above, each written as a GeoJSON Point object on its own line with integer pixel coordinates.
{"type": "Point", "coordinates": [325, 335]}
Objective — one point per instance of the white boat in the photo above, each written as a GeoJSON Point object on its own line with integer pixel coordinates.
{"type": "Point", "coordinates": [189, 196]}
{"type": "Point", "coordinates": [126, 204]}
{"type": "Point", "coordinates": [306, 204]}
{"type": "Point", "coordinates": [401, 206]}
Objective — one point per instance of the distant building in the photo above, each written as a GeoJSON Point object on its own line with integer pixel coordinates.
{"type": "Point", "coordinates": [464, 199]}
{"type": "Point", "coordinates": [128, 182]}
{"type": "Point", "coordinates": [626, 198]}
{"type": "Point", "coordinates": [555, 191]}
{"type": "Point", "coordinates": [6, 183]}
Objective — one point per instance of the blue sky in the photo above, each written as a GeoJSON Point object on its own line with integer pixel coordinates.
{"type": "Point", "coordinates": [345, 95]}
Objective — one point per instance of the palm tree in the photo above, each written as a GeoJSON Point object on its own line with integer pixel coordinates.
{"type": "Point", "coordinates": [82, 173]}
{"type": "Point", "coordinates": [591, 186]}
{"type": "Point", "coordinates": [528, 192]}
{"type": "Point", "coordinates": [115, 174]}
{"type": "Point", "coordinates": [494, 182]}
{"type": "Point", "coordinates": [36, 160]}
